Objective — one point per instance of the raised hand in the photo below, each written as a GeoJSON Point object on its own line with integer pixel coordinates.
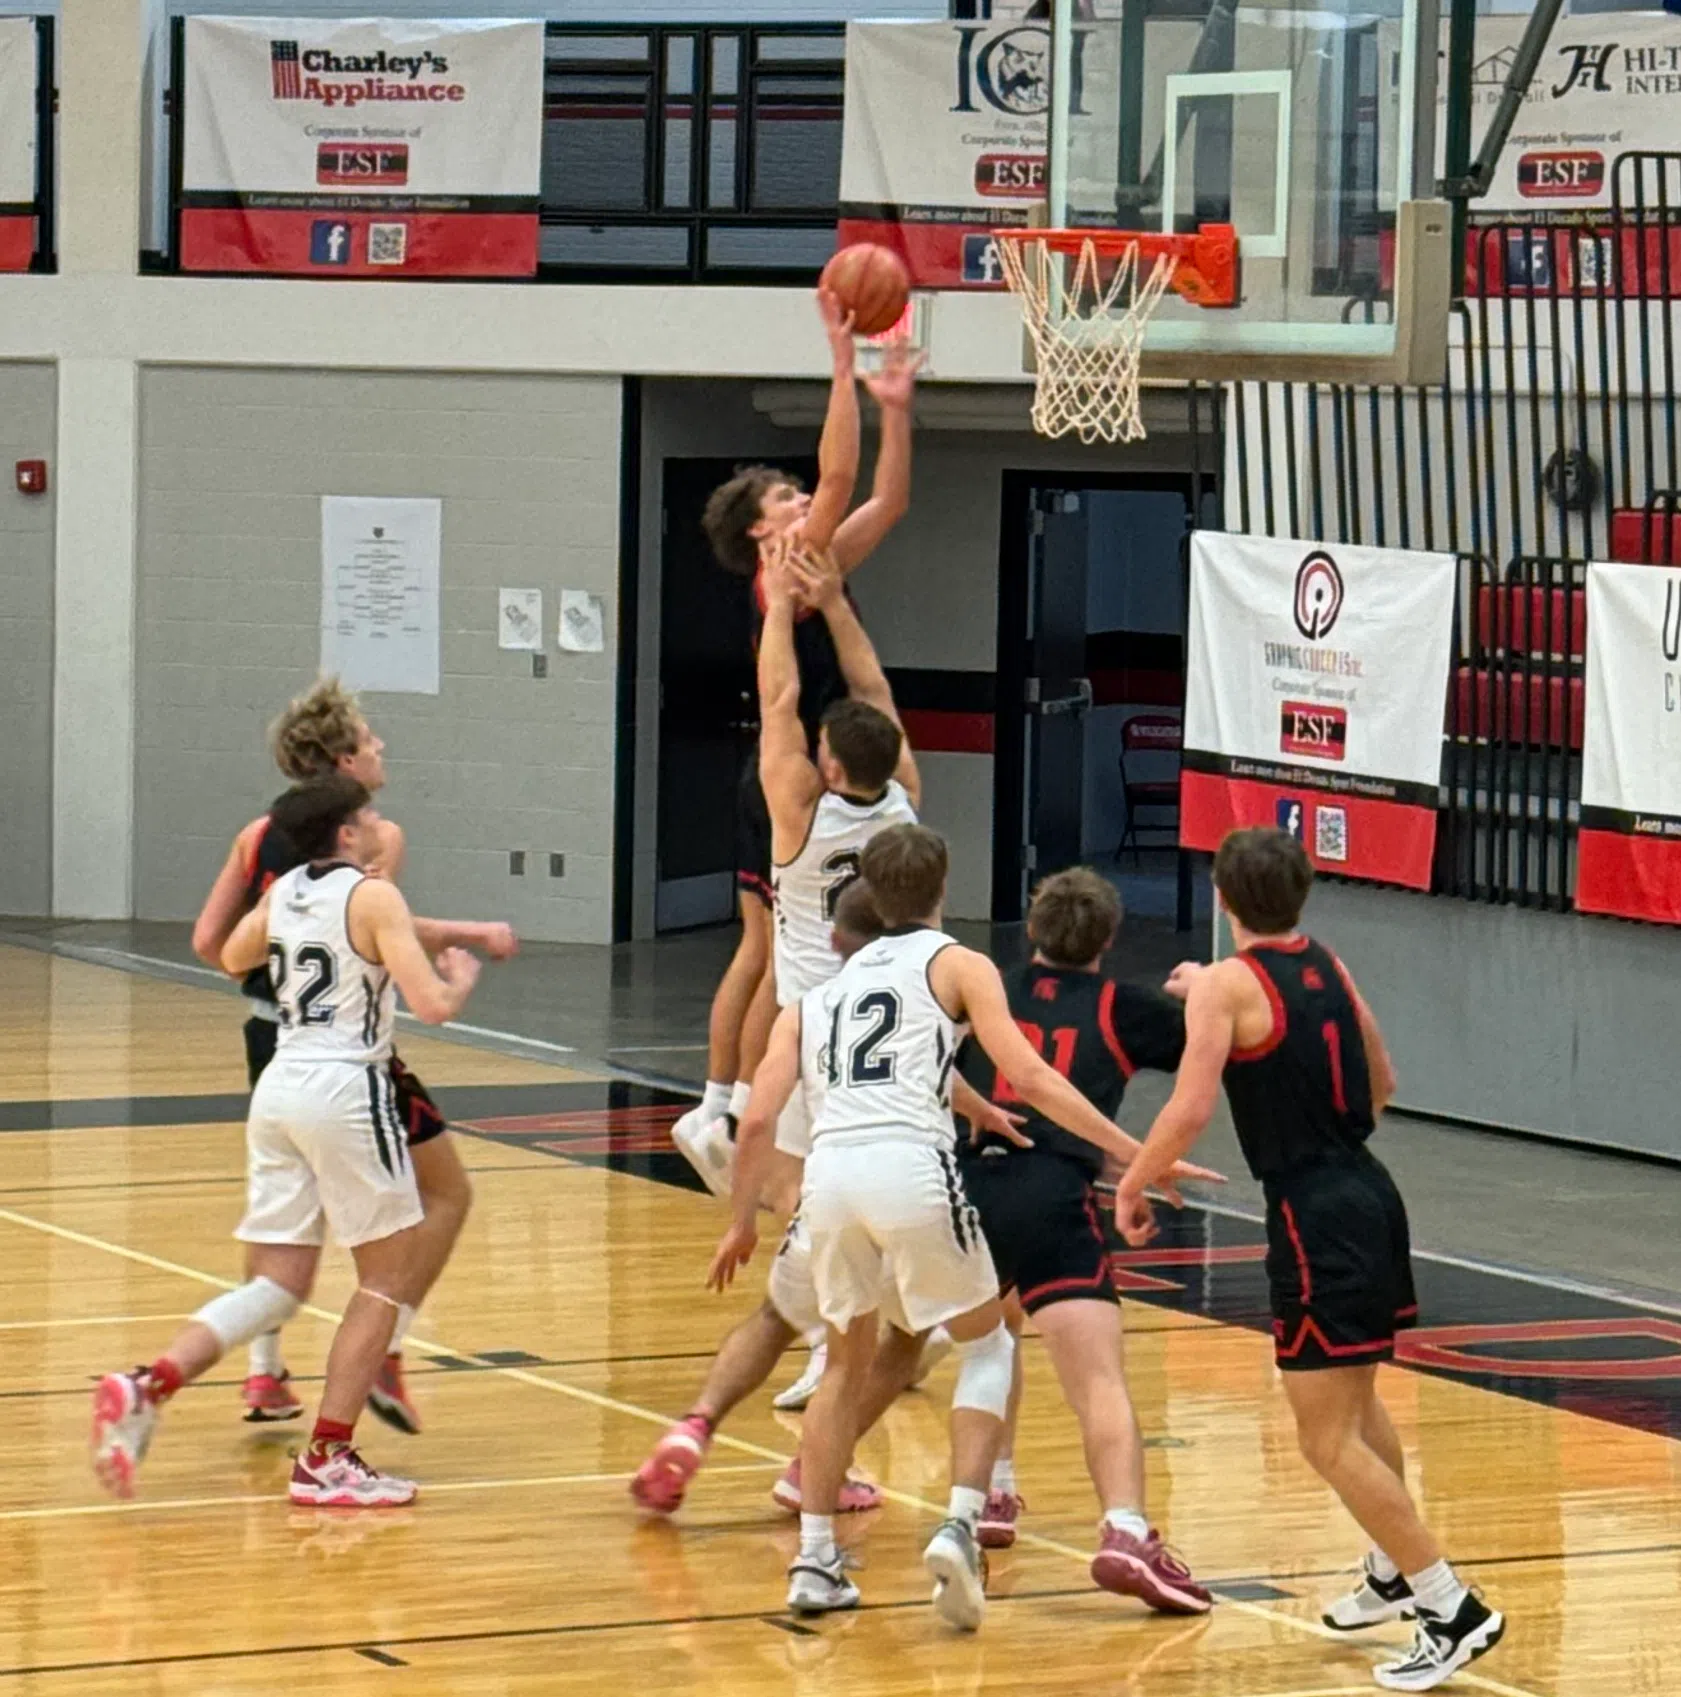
{"type": "Point", "coordinates": [837, 326]}
{"type": "Point", "coordinates": [894, 384]}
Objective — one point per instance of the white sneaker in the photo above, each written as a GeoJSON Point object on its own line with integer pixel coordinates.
{"type": "Point", "coordinates": [935, 1348]}
{"type": "Point", "coordinates": [818, 1585]}
{"type": "Point", "coordinates": [123, 1420]}
{"type": "Point", "coordinates": [1372, 1602]}
{"type": "Point", "coordinates": [342, 1479]}
{"type": "Point", "coordinates": [1440, 1648]}
{"type": "Point", "coordinates": [709, 1148]}
{"type": "Point", "coordinates": [959, 1569]}
{"type": "Point", "coordinates": [804, 1388]}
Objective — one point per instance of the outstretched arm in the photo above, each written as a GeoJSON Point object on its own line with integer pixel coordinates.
{"type": "Point", "coordinates": [490, 937]}
{"type": "Point", "coordinates": [378, 915]}
{"type": "Point", "coordinates": [894, 388]}
{"type": "Point", "coordinates": [790, 781]}
{"type": "Point", "coordinates": [837, 451]}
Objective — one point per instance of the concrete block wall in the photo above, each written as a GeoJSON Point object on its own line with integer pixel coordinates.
{"type": "Point", "coordinates": [233, 464]}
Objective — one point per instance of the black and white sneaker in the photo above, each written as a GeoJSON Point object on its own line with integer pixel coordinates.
{"type": "Point", "coordinates": [818, 1585]}
{"type": "Point", "coordinates": [1372, 1602]}
{"type": "Point", "coordinates": [1441, 1647]}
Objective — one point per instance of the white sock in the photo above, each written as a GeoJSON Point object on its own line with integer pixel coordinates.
{"type": "Point", "coordinates": [1004, 1476]}
{"type": "Point", "coordinates": [1379, 1566]}
{"type": "Point", "coordinates": [1127, 1520]}
{"type": "Point", "coordinates": [405, 1319]}
{"type": "Point", "coordinates": [1438, 1589]}
{"type": "Point", "coordinates": [714, 1102]}
{"type": "Point", "coordinates": [817, 1535]}
{"type": "Point", "coordinates": [265, 1355]}
{"type": "Point", "coordinates": [817, 1337]}
{"type": "Point", "coordinates": [738, 1097]}
{"type": "Point", "coordinates": [966, 1505]}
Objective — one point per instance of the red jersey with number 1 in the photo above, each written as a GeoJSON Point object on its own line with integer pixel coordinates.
{"type": "Point", "coordinates": [1303, 1095]}
{"type": "Point", "coordinates": [1096, 1032]}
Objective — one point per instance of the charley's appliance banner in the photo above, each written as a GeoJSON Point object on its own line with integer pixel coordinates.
{"type": "Point", "coordinates": [17, 143]}
{"type": "Point", "coordinates": [1628, 853]}
{"type": "Point", "coordinates": [1314, 699]}
{"type": "Point", "coordinates": [368, 147]}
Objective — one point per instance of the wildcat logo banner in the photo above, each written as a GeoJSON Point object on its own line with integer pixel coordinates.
{"type": "Point", "coordinates": [18, 74]}
{"type": "Point", "coordinates": [366, 148]}
{"type": "Point", "coordinates": [1314, 699]}
{"type": "Point", "coordinates": [1628, 852]}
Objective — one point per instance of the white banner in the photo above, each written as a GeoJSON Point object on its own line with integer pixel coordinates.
{"type": "Point", "coordinates": [18, 74]}
{"type": "Point", "coordinates": [1629, 848]}
{"type": "Point", "coordinates": [364, 147]}
{"type": "Point", "coordinates": [1315, 690]}
{"type": "Point", "coordinates": [1608, 83]}
{"type": "Point", "coordinates": [381, 569]}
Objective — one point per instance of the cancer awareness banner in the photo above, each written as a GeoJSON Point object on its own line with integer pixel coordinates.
{"type": "Point", "coordinates": [1628, 852]}
{"type": "Point", "coordinates": [17, 143]}
{"type": "Point", "coordinates": [368, 147]}
{"type": "Point", "coordinates": [1314, 693]}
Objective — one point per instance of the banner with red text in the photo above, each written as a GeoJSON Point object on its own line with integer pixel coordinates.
{"type": "Point", "coordinates": [365, 148]}
{"type": "Point", "coordinates": [1314, 698]}
{"type": "Point", "coordinates": [18, 74]}
{"type": "Point", "coordinates": [1628, 855]}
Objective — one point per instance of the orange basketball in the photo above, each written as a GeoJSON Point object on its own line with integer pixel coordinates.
{"type": "Point", "coordinates": [871, 283]}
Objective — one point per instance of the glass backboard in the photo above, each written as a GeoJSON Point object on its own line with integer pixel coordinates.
{"type": "Point", "coordinates": [1310, 129]}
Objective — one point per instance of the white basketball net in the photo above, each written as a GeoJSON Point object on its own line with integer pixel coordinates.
{"type": "Point", "coordinates": [1088, 335]}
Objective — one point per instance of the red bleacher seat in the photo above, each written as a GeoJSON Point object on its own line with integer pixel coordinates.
{"type": "Point", "coordinates": [1527, 711]}
{"type": "Point", "coordinates": [1522, 621]}
{"type": "Point", "coordinates": [1637, 536]}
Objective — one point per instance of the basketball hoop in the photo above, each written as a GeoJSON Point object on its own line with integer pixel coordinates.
{"type": "Point", "coordinates": [1088, 328]}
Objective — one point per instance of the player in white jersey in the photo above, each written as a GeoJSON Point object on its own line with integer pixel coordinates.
{"type": "Point", "coordinates": [884, 1202]}
{"type": "Point", "coordinates": [326, 1148]}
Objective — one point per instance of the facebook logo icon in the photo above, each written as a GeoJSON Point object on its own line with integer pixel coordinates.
{"type": "Point", "coordinates": [980, 260]}
{"type": "Point", "coordinates": [1288, 814]}
{"type": "Point", "coordinates": [329, 242]}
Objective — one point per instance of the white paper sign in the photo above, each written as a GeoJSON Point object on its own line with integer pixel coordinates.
{"type": "Point", "coordinates": [519, 619]}
{"type": "Point", "coordinates": [381, 564]}
{"type": "Point", "coordinates": [583, 622]}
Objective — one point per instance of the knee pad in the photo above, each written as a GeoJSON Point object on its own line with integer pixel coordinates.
{"type": "Point", "coordinates": [983, 1378]}
{"type": "Point", "coordinates": [256, 1307]}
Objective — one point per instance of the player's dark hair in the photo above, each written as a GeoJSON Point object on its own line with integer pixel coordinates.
{"type": "Point", "coordinates": [1074, 916]}
{"type": "Point", "coordinates": [856, 916]}
{"type": "Point", "coordinates": [311, 814]}
{"type": "Point", "coordinates": [865, 742]}
{"type": "Point", "coordinates": [1264, 876]}
{"type": "Point", "coordinates": [905, 867]}
{"type": "Point", "coordinates": [731, 512]}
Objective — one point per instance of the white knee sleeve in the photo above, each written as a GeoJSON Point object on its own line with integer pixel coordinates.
{"type": "Point", "coordinates": [983, 1379]}
{"type": "Point", "coordinates": [240, 1315]}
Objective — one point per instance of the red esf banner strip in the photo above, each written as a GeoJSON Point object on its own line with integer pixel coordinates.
{"type": "Point", "coordinates": [1629, 864]}
{"type": "Point", "coordinates": [943, 247]}
{"type": "Point", "coordinates": [17, 240]}
{"type": "Point", "coordinates": [1389, 837]}
{"type": "Point", "coordinates": [326, 242]}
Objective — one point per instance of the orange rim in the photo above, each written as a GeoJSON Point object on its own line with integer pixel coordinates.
{"type": "Point", "coordinates": [1206, 272]}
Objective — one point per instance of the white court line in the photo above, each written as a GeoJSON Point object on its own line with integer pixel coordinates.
{"type": "Point", "coordinates": [657, 1049]}
{"type": "Point", "coordinates": [726, 1440]}
{"type": "Point", "coordinates": [88, 1320]}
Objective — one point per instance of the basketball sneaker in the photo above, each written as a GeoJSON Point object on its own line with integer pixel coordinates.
{"type": "Point", "coordinates": [269, 1396]}
{"type": "Point", "coordinates": [340, 1478]}
{"type": "Point", "coordinates": [804, 1388]}
{"type": "Point", "coordinates": [708, 1145]}
{"type": "Point", "coordinates": [856, 1497]}
{"type": "Point", "coordinates": [1442, 1647]}
{"type": "Point", "coordinates": [389, 1397]}
{"type": "Point", "coordinates": [124, 1416]}
{"type": "Point", "coordinates": [958, 1565]}
{"type": "Point", "coordinates": [819, 1585]}
{"type": "Point", "coordinates": [663, 1478]}
{"type": "Point", "coordinates": [1371, 1602]}
{"type": "Point", "coordinates": [1146, 1569]}
{"type": "Point", "coordinates": [936, 1347]}
{"type": "Point", "coordinates": [997, 1530]}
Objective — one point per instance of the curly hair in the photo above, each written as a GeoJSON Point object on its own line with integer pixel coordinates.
{"type": "Point", "coordinates": [317, 730]}
{"type": "Point", "coordinates": [732, 511]}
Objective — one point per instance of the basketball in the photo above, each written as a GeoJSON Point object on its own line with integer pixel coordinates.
{"type": "Point", "coordinates": [871, 283]}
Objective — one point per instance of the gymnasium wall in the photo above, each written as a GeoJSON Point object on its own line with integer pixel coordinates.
{"type": "Point", "coordinates": [232, 467]}
{"type": "Point", "coordinates": [28, 427]}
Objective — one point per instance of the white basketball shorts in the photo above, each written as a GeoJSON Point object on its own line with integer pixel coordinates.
{"type": "Point", "coordinates": [891, 1226]}
{"type": "Point", "coordinates": [326, 1150]}
{"type": "Point", "coordinates": [793, 1292]}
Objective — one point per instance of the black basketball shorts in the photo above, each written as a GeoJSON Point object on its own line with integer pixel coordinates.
{"type": "Point", "coordinates": [1041, 1221]}
{"type": "Point", "coordinates": [752, 835]}
{"type": "Point", "coordinates": [1339, 1264]}
{"type": "Point", "coordinates": [260, 1037]}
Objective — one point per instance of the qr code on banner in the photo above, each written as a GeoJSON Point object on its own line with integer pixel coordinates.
{"type": "Point", "coordinates": [388, 244]}
{"type": "Point", "coordinates": [1330, 833]}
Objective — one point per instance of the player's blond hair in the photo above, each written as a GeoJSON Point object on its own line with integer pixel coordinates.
{"type": "Point", "coordinates": [317, 730]}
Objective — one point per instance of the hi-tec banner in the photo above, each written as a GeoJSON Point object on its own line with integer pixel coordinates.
{"type": "Point", "coordinates": [1628, 853]}
{"type": "Point", "coordinates": [1314, 700]}
{"type": "Point", "coordinates": [17, 143]}
{"type": "Point", "coordinates": [370, 147]}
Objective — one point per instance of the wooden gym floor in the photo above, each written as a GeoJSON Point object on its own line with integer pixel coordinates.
{"type": "Point", "coordinates": [572, 1324]}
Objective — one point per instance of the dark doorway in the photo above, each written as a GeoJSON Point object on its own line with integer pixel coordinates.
{"type": "Point", "coordinates": [709, 716]}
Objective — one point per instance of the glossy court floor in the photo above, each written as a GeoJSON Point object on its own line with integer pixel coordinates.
{"type": "Point", "coordinates": [1541, 1423]}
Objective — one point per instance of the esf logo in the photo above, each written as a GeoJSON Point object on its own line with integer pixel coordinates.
{"type": "Point", "coordinates": [371, 165]}
{"type": "Point", "coordinates": [1313, 728]}
{"type": "Point", "coordinates": [329, 242]}
{"type": "Point", "coordinates": [1010, 176]}
{"type": "Point", "coordinates": [1010, 71]}
{"type": "Point", "coordinates": [980, 262]}
{"type": "Point", "coordinates": [1547, 176]}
